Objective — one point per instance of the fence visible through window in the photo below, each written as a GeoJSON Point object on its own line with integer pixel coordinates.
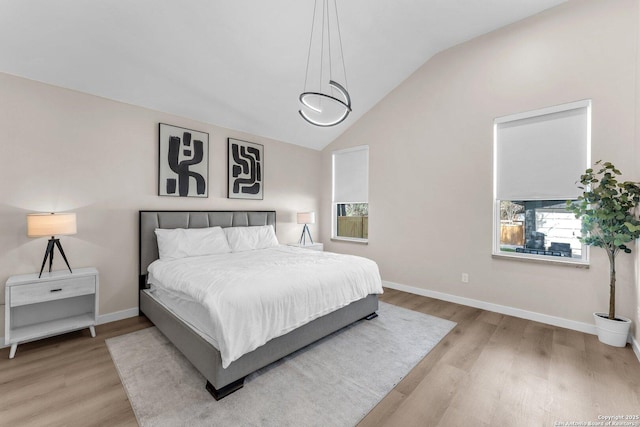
{"type": "Point", "coordinates": [541, 227]}
{"type": "Point", "coordinates": [353, 220]}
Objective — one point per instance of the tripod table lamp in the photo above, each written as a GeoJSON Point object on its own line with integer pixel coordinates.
{"type": "Point", "coordinates": [306, 218]}
{"type": "Point", "coordinates": [51, 224]}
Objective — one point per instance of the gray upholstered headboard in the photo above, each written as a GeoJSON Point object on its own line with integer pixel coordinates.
{"type": "Point", "coordinates": [150, 220]}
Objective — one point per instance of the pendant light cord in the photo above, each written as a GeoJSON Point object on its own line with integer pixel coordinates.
{"type": "Point", "coordinates": [329, 40]}
{"type": "Point", "coordinates": [344, 69]}
{"type": "Point", "coordinates": [326, 16]}
{"type": "Point", "coordinates": [313, 22]}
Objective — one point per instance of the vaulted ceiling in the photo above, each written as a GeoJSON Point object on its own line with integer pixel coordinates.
{"type": "Point", "coordinates": [238, 64]}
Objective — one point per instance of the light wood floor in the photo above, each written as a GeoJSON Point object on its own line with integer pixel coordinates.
{"type": "Point", "coordinates": [491, 370]}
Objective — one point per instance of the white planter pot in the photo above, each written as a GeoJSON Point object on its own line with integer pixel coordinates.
{"type": "Point", "coordinates": [612, 332]}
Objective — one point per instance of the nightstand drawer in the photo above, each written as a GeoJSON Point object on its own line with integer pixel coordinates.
{"type": "Point", "coordinates": [51, 290]}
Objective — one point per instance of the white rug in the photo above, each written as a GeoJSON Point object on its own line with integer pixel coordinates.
{"type": "Point", "coordinates": [333, 382]}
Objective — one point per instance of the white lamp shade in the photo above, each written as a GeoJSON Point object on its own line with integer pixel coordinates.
{"type": "Point", "coordinates": [44, 224]}
{"type": "Point", "coordinates": [306, 217]}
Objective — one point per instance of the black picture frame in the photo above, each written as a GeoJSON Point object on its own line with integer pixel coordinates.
{"type": "Point", "coordinates": [183, 162]}
{"type": "Point", "coordinates": [245, 170]}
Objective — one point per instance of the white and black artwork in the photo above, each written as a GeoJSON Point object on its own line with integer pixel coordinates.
{"type": "Point", "coordinates": [184, 162]}
{"type": "Point", "coordinates": [246, 170]}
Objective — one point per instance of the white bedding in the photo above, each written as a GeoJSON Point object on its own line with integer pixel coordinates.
{"type": "Point", "coordinates": [255, 296]}
{"type": "Point", "coordinates": [186, 309]}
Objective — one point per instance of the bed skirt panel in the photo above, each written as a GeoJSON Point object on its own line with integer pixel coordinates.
{"type": "Point", "coordinates": [206, 358]}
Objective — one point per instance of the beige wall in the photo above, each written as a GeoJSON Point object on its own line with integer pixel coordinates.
{"type": "Point", "coordinates": [67, 151]}
{"type": "Point", "coordinates": [431, 157]}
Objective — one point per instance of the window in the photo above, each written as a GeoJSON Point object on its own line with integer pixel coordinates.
{"type": "Point", "coordinates": [538, 157]}
{"type": "Point", "coordinates": [350, 203]}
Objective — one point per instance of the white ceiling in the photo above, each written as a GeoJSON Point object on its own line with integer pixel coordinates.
{"type": "Point", "coordinates": [238, 64]}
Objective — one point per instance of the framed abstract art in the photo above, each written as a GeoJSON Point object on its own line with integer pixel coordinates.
{"type": "Point", "coordinates": [245, 170]}
{"type": "Point", "coordinates": [183, 162]}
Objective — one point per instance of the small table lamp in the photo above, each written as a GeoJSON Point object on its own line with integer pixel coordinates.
{"type": "Point", "coordinates": [58, 224]}
{"type": "Point", "coordinates": [306, 218]}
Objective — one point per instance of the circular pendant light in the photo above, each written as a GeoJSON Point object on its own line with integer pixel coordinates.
{"type": "Point", "coordinates": [331, 106]}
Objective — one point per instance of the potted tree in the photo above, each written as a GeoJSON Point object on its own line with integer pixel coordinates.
{"type": "Point", "coordinates": [607, 209]}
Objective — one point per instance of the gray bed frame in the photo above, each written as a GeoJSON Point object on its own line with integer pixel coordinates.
{"type": "Point", "coordinates": [205, 357]}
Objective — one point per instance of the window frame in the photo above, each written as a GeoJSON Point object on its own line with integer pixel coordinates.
{"type": "Point", "coordinates": [496, 250]}
{"type": "Point", "coordinates": [334, 204]}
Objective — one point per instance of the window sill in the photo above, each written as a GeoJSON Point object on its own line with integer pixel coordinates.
{"type": "Point", "coordinates": [539, 260]}
{"type": "Point", "coordinates": [351, 240]}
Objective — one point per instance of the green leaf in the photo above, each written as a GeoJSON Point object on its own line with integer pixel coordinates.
{"type": "Point", "coordinates": [607, 209]}
{"type": "Point", "coordinates": [631, 227]}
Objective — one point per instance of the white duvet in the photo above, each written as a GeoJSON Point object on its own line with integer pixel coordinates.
{"type": "Point", "coordinates": [255, 296]}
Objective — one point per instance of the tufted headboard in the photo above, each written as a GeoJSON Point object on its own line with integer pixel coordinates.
{"type": "Point", "coordinates": [150, 220]}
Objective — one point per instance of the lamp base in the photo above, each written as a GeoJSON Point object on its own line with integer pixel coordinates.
{"type": "Point", "coordinates": [303, 237]}
{"type": "Point", "coordinates": [48, 253]}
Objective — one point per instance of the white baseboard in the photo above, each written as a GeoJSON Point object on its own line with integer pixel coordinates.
{"type": "Point", "coordinates": [635, 345]}
{"type": "Point", "coordinates": [118, 315]}
{"type": "Point", "coordinates": [510, 311]}
{"type": "Point", "coordinates": [503, 309]}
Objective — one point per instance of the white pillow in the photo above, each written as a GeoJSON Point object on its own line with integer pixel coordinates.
{"type": "Point", "coordinates": [250, 238]}
{"type": "Point", "coordinates": [187, 242]}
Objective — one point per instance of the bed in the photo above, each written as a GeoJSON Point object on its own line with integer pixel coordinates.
{"type": "Point", "coordinates": [196, 346]}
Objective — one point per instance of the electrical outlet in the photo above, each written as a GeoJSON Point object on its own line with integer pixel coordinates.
{"type": "Point", "coordinates": [465, 278]}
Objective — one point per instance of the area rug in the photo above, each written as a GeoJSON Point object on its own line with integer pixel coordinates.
{"type": "Point", "coordinates": [333, 382]}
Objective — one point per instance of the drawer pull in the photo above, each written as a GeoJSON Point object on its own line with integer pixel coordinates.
{"type": "Point", "coordinates": [56, 290]}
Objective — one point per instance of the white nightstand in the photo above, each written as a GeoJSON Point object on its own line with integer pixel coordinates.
{"type": "Point", "coordinates": [312, 246]}
{"type": "Point", "coordinates": [56, 303]}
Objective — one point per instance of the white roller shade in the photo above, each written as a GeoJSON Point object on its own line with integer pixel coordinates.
{"type": "Point", "coordinates": [539, 155]}
{"type": "Point", "coordinates": [351, 175]}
